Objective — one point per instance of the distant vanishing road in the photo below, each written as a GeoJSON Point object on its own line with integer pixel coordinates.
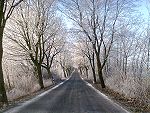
{"type": "Point", "coordinates": [73, 96]}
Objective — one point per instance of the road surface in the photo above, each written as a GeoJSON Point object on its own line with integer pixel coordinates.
{"type": "Point", "coordinates": [73, 96]}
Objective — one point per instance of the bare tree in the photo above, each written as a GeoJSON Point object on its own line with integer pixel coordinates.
{"type": "Point", "coordinates": [31, 32]}
{"type": "Point", "coordinates": [86, 49]}
{"type": "Point", "coordinates": [65, 60]}
{"type": "Point", "coordinates": [62, 62]}
{"type": "Point", "coordinates": [53, 46]}
{"type": "Point", "coordinates": [95, 17]}
{"type": "Point", "coordinates": [6, 9]}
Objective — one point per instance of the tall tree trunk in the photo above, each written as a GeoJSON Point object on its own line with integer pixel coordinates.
{"type": "Point", "coordinates": [94, 75]}
{"type": "Point", "coordinates": [68, 71]}
{"type": "Point", "coordinates": [8, 80]}
{"type": "Point", "coordinates": [40, 78]}
{"type": "Point", "coordinates": [125, 67]}
{"type": "Point", "coordinates": [64, 72]}
{"type": "Point", "coordinates": [3, 96]}
{"type": "Point", "coordinates": [80, 71]}
{"type": "Point", "coordinates": [92, 64]}
{"type": "Point", "coordinates": [100, 74]}
{"type": "Point", "coordinates": [93, 67]}
{"type": "Point", "coordinates": [86, 70]}
{"type": "Point", "coordinates": [49, 72]}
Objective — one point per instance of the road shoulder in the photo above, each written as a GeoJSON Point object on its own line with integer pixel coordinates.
{"type": "Point", "coordinates": [30, 97]}
{"type": "Point", "coordinates": [130, 105]}
{"type": "Point", "coordinates": [100, 92]}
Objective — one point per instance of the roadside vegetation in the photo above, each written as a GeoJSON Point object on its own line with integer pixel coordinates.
{"type": "Point", "coordinates": [113, 45]}
{"type": "Point", "coordinates": [107, 40]}
{"type": "Point", "coordinates": [33, 40]}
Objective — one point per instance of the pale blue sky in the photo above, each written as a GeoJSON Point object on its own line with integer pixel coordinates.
{"type": "Point", "coordinates": [143, 8]}
{"type": "Point", "coordinates": [143, 5]}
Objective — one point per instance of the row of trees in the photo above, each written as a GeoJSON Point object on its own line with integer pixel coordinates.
{"type": "Point", "coordinates": [113, 41]}
{"type": "Point", "coordinates": [109, 39]}
{"type": "Point", "coordinates": [6, 10]}
{"type": "Point", "coordinates": [34, 36]}
{"type": "Point", "coordinates": [38, 32]}
{"type": "Point", "coordinates": [97, 22]}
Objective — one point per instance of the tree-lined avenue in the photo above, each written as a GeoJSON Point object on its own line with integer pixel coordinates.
{"type": "Point", "coordinates": [73, 96]}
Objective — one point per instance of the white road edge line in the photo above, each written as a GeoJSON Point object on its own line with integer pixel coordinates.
{"type": "Point", "coordinates": [36, 98]}
{"type": "Point", "coordinates": [106, 97]}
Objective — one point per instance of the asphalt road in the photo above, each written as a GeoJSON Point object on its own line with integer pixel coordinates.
{"type": "Point", "coordinates": [73, 96]}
